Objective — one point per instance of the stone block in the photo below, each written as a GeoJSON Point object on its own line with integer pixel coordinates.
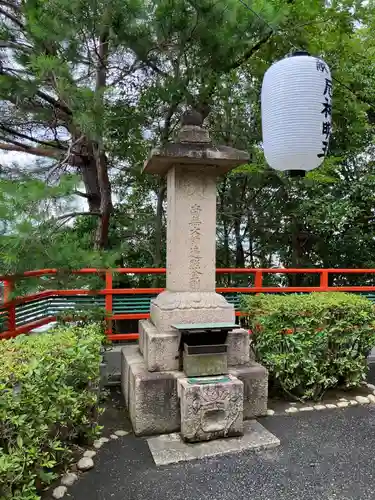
{"type": "Point", "coordinates": [170, 308]}
{"type": "Point", "coordinates": [131, 356]}
{"type": "Point", "coordinates": [210, 410]}
{"type": "Point", "coordinates": [238, 347]}
{"type": "Point", "coordinates": [112, 357]}
{"type": "Point", "coordinates": [255, 380]}
{"type": "Point", "coordinates": [160, 350]}
{"type": "Point", "coordinates": [151, 397]}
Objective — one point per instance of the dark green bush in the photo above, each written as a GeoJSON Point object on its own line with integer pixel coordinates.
{"type": "Point", "coordinates": [48, 402]}
{"type": "Point", "coordinates": [311, 343]}
{"type": "Point", "coordinates": [82, 317]}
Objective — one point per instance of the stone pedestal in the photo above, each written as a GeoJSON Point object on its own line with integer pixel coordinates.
{"type": "Point", "coordinates": [210, 410]}
{"type": "Point", "coordinates": [152, 400]}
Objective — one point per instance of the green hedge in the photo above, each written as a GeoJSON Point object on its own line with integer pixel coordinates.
{"type": "Point", "coordinates": [311, 343]}
{"type": "Point", "coordinates": [48, 402]}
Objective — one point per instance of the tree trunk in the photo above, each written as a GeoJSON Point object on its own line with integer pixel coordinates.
{"type": "Point", "coordinates": [102, 233]}
{"type": "Point", "coordinates": [90, 179]}
{"type": "Point", "coordinates": [106, 208]}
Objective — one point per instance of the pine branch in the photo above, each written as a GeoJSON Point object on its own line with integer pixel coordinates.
{"type": "Point", "coordinates": [11, 5]}
{"type": "Point", "coordinates": [54, 102]}
{"type": "Point", "coordinates": [12, 18]}
{"type": "Point", "coordinates": [43, 95]}
{"type": "Point", "coordinates": [249, 53]}
{"type": "Point", "coordinates": [66, 217]}
{"type": "Point", "coordinates": [77, 214]}
{"type": "Point", "coordinates": [82, 194]}
{"type": "Point", "coordinates": [28, 149]}
{"type": "Point", "coordinates": [32, 139]}
{"type": "Point", "coordinates": [14, 45]}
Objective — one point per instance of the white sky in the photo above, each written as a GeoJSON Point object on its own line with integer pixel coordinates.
{"type": "Point", "coordinates": [11, 157]}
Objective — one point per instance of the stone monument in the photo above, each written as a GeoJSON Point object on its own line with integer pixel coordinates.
{"type": "Point", "coordinates": [192, 370]}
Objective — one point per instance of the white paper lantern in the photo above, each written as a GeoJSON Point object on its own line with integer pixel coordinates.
{"type": "Point", "coordinates": [296, 112]}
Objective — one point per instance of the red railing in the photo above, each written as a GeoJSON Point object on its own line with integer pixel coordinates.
{"type": "Point", "coordinates": [10, 303]}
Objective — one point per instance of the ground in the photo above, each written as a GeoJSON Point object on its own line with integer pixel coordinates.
{"type": "Point", "coordinates": [323, 456]}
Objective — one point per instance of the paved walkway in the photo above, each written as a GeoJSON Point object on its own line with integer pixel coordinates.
{"type": "Point", "coordinates": [327, 455]}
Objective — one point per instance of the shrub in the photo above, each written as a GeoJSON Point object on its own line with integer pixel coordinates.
{"type": "Point", "coordinates": [311, 343]}
{"type": "Point", "coordinates": [48, 402]}
{"type": "Point", "coordinates": [83, 317]}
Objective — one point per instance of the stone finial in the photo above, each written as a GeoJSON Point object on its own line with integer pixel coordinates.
{"type": "Point", "coordinates": [192, 117]}
{"type": "Point", "coordinates": [192, 130]}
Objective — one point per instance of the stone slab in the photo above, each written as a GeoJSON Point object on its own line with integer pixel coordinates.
{"type": "Point", "coordinates": [170, 308]}
{"type": "Point", "coordinates": [255, 380]}
{"type": "Point", "coordinates": [210, 410]}
{"type": "Point", "coordinates": [238, 347]}
{"type": "Point", "coordinates": [160, 350]}
{"type": "Point", "coordinates": [151, 397]}
{"type": "Point", "coordinates": [170, 448]}
{"type": "Point", "coordinates": [189, 151]}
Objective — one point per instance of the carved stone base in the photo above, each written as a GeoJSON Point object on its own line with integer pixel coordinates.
{"type": "Point", "coordinates": [170, 308]}
{"type": "Point", "coordinates": [210, 410]}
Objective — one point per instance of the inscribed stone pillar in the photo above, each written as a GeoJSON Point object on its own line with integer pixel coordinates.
{"type": "Point", "coordinates": [191, 165]}
{"type": "Point", "coordinates": [191, 229]}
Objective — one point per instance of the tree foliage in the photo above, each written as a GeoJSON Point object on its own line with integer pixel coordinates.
{"type": "Point", "coordinates": [89, 87]}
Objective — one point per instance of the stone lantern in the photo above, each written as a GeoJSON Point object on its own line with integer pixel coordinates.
{"type": "Point", "coordinates": [192, 370]}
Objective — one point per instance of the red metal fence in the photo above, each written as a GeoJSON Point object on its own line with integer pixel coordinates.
{"type": "Point", "coordinates": [10, 304]}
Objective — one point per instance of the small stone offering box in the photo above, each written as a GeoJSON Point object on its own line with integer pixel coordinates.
{"type": "Point", "coordinates": [204, 348]}
{"type": "Point", "coordinates": [211, 407]}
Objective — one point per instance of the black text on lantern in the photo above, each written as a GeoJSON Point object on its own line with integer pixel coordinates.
{"type": "Point", "coordinates": [327, 108]}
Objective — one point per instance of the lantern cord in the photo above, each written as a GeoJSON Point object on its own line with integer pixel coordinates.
{"type": "Point", "coordinates": [257, 15]}
{"type": "Point", "coordinates": [361, 99]}
{"type": "Point", "coordinates": [267, 23]}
